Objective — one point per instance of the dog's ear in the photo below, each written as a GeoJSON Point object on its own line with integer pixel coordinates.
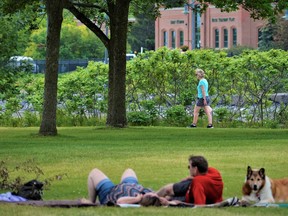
{"type": "Point", "coordinates": [262, 173]}
{"type": "Point", "coordinates": [249, 172]}
{"type": "Point", "coordinates": [246, 189]}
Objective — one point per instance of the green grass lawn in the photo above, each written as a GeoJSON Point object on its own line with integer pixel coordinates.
{"type": "Point", "coordinates": [158, 155]}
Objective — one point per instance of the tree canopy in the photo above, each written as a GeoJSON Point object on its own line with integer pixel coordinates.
{"type": "Point", "coordinates": [258, 9]}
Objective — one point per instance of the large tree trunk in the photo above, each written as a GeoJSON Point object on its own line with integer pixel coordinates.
{"type": "Point", "coordinates": [116, 116]}
{"type": "Point", "coordinates": [55, 16]}
{"type": "Point", "coordinates": [118, 13]}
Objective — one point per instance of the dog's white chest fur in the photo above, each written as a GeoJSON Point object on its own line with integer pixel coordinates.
{"type": "Point", "coordinates": [262, 196]}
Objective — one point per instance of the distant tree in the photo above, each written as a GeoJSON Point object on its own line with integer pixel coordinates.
{"type": "Point", "coordinates": [274, 35]}
{"type": "Point", "coordinates": [8, 36]}
{"type": "Point", "coordinates": [142, 33]}
{"type": "Point", "coordinates": [282, 34]}
{"type": "Point", "coordinates": [266, 37]}
{"type": "Point", "coordinates": [14, 34]}
{"type": "Point", "coordinates": [77, 41]}
{"type": "Point", "coordinates": [36, 48]}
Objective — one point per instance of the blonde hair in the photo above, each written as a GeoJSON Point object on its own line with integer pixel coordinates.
{"type": "Point", "coordinates": [200, 72]}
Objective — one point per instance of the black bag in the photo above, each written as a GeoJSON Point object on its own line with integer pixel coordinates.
{"type": "Point", "coordinates": [31, 190]}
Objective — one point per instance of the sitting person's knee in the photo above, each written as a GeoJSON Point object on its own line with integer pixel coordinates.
{"type": "Point", "coordinates": [167, 190]}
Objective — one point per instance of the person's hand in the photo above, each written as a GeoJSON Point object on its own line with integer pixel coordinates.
{"type": "Point", "coordinates": [204, 101]}
{"type": "Point", "coordinates": [163, 201]}
{"type": "Point", "coordinates": [174, 202]}
{"type": "Point", "coordinates": [139, 197]}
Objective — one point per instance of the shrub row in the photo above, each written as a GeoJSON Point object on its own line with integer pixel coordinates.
{"type": "Point", "coordinates": [161, 89]}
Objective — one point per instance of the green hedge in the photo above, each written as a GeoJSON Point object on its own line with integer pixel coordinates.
{"type": "Point", "coordinates": [157, 81]}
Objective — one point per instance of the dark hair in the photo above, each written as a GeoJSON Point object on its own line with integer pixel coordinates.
{"type": "Point", "coordinates": [200, 162]}
{"type": "Point", "coordinates": [150, 201]}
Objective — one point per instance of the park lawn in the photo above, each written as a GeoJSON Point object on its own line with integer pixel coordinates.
{"type": "Point", "coordinates": [157, 154]}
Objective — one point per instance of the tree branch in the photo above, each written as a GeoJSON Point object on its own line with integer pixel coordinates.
{"type": "Point", "coordinates": [67, 4]}
{"type": "Point", "coordinates": [87, 5]}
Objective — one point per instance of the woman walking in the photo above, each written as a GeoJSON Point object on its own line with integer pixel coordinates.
{"type": "Point", "coordinates": [203, 100]}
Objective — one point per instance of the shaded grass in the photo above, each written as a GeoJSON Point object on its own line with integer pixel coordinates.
{"type": "Point", "coordinates": [157, 154]}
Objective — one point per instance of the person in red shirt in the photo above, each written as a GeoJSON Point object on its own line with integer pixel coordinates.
{"type": "Point", "coordinates": [203, 186]}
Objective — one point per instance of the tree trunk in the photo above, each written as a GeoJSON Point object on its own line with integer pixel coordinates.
{"type": "Point", "coordinates": [118, 13]}
{"type": "Point", "coordinates": [116, 116]}
{"type": "Point", "coordinates": [55, 16]}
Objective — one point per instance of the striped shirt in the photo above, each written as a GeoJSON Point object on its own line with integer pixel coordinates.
{"type": "Point", "coordinates": [124, 190]}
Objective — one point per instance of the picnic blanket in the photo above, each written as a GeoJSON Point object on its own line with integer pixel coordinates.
{"type": "Point", "coordinates": [231, 202]}
{"type": "Point", "coordinates": [53, 203]}
{"type": "Point", "coordinates": [9, 197]}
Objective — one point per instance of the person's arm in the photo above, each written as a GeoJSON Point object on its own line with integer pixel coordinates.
{"type": "Point", "coordinates": [187, 178]}
{"type": "Point", "coordinates": [129, 199]}
{"type": "Point", "coordinates": [204, 94]}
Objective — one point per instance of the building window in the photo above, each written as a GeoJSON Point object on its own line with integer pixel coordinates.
{"type": "Point", "coordinates": [216, 38]}
{"type": "Point", "coordinates": [173, 38]}
{"type": "Point", "coordinates": [225, 38]}
{"type": "Point", "coordinates": [181, 36]}
{"type": "Point", "coordinates": [234, 31]}
{"type": "Point", "coordinates": [197, 28]}
{"type": "Point", "coordinates": [165, 39]}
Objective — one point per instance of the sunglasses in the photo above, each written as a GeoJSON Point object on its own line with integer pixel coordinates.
{"type": "Point", "coordinates": [189, 166]}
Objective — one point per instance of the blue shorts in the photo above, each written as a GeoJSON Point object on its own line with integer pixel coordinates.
{"type": "Point", "coordinates": [200, 102]}
{"type": "Point", "coordinates": [105, 186]}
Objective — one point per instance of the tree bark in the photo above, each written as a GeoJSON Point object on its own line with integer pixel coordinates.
{"type": "Point", "coordinates": [55, 16]}
{"type": "Point", "coordinates": [118, 11]}
{"type": "Point", "coordinates": [116, 116]}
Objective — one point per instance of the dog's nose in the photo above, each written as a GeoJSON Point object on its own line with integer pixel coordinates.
{"type": "Point", "coordinates": [254, 187]}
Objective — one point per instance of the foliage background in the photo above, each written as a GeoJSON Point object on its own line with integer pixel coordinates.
{"type": "Point", "coordinates": [77, 41]}
{"type": "Point", "coordinates": [161, 90]}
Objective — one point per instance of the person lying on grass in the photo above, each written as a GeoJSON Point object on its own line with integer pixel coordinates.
{"type": "Point", "coordinates": [203, 186]}
{"type": "Point", "coordinates": [129, 191]}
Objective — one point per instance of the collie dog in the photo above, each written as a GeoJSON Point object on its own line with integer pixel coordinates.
{"type": "Point", "coordinates": [259, 188]}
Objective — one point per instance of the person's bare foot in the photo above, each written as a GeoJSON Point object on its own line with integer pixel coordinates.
{"type": "Point", "coordinates": [85, 201]}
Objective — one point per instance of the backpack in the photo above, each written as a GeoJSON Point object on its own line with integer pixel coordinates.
{"type": "Point", "coordinates": [31, 190]}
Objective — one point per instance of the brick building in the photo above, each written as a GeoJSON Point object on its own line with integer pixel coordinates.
{"type": "Point", "coordinates": [212, 29]}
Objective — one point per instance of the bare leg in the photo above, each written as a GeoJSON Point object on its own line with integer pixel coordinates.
{"type": "Point", "coordinates": [167, 190]}
{"type": "Point", "coordinates": [196, 114]}
{"type": "Point", "coordinates": [128, 173]}
{"type": "Point", "coordinates": [94, 178]}
{"type": "Point", "coordinates": [208, 111]}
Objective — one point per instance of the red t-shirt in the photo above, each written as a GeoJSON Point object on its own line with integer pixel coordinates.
{"type": "Point", "coordinates": [206, 189]}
